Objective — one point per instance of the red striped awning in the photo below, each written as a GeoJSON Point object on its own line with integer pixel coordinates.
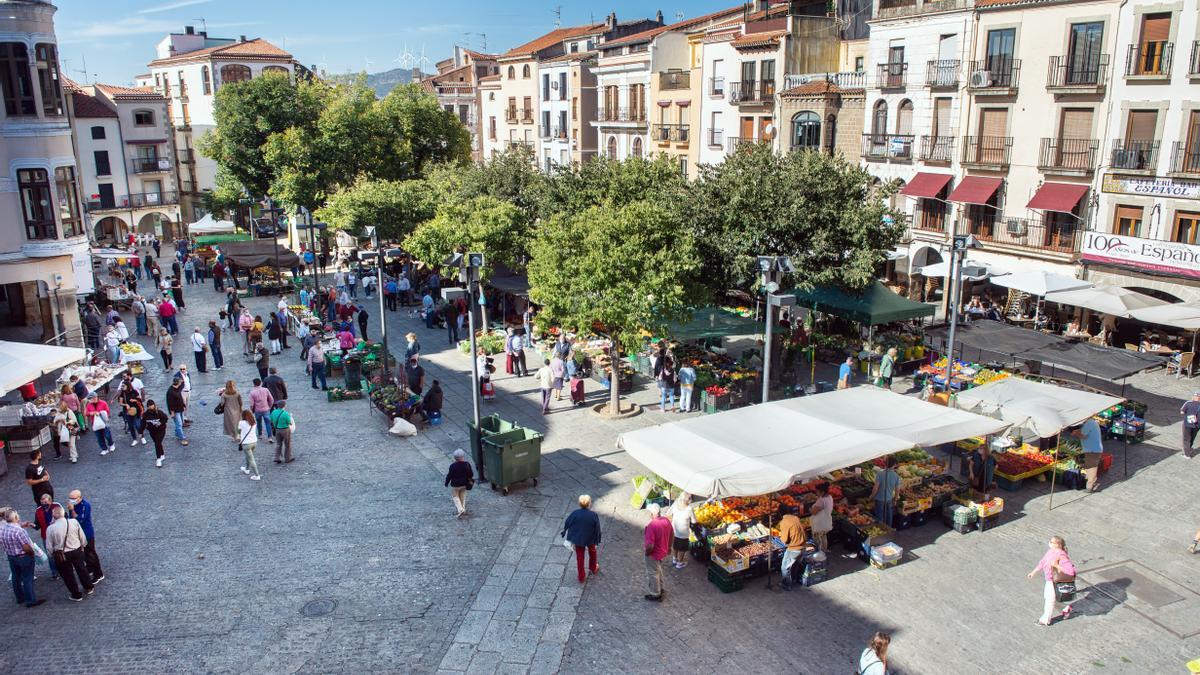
{"type": "Point", "coordinates": [926, 184]}
{"type": "Point", "coordinates": [1062, 197]}
{"type": "Point", "coordinates": [975, 190]}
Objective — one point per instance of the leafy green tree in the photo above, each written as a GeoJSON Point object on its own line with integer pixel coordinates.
{"type": "Point", "coordinates": [625, 268]}
{"type": "Point", "coordinates": [247, 114]}
{"type": "Point", "coordinates": [396, 207]}
{"type": "Point", "coordinates": [827, 214]}
{"type": "Point", "coordinates": [575, 188]}
{"type": "Point", "coordinates": [487, 225]}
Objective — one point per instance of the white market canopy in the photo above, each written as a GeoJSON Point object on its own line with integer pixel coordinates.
{"type": "Point", "coordinates": [1040, 283]}
{"type": "Point", "coordinates": [970, 269]}
{"type": "Point", "coordinates": [1185, 315]}
{"type": "Point", "coordinates": [1043, 409]}
{"type": "Point", "coordinates": [207, 225]}
{"type": "Point", "coordinates": [764, 448]}
{"type": "Point", "coordinates": [111, 253]}
{"type": "Point", "coordinates": [22, 362]}
{"type": "Point", "coordinates": [1112, 300]}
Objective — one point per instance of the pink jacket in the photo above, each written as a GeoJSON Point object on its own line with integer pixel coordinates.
{"type": "Point", "coordinates": [1046, 564]}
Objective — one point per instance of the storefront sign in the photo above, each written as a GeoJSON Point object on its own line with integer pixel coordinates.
{"type": "Point", "coordinates": [1163, 257]}
{"type": "Point", "coordinates": [1150, 187]}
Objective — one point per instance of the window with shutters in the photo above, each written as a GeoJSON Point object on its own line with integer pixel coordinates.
{"type": "Point", "coordinates": [234, 72]}
{"type": "Point", "coordinates": [612, 147]}
{"type": "Point", "coordinates": [1187, 155]}
{"type": "Point", "coordinates": [1127, 220]}
{"type": "Point", "coordinates": [991, 147]}
{"type": "Point", "coordinates": [205, 80]}
{"type": "Point", "coordinates": [1075, 145]}
{"type": "Point", "coordinates": [1186, 224]}
{"type": "Point", "coordinates": [904, 118]}
{"type": "Point", "coordinates": [1139, 148]}
{"type": "Point", "coordinates": [1152, 54]}
{"type": "Point", "coordinates": [16, 79]}
{"type": "Point", "coordinates": [879, 118]}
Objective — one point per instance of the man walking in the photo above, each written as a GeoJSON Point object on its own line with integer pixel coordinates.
{"type": "Point", "coordinates": [19, 548]}
{"type": "Point", "coordinates": [175, 408]}
{"type": "Point", "coordinates": [214, 343]}
{"type": "Point", "coordinates": [517, 347]}
{"type": "Point", "coordinates": [1191, 423]}
{"type": "Point", "coordinates": [845, 372]}
{"type": "Point", "coordinates": [79, 509]}
{"type": "Point", "coordinates": [261, 402]}
{"type": "Point", "coordinates": [363, 317]}
{"type": "Point", "coordinates": [275, 384]}
{"type": "Point", "coordinates": [139, 313]}
{"type": "Point", "coordinates": [657, 542]}
{"type": "Point", "coordinates": [545, 376]}
{"type": "Point", "coordinates": [316, 364]}
{"type": "Point", "coordinates": [200, 349]}
{"type": "Point", "coordinates": [65, 542]}
{"type": "Point", "coordinates": [282, 426]}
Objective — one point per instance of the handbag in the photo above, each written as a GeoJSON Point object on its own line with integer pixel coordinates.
{"type": "Point", "coordinates": [219, 408]}
{"type": "Point", "coordinates": [1064, 587]}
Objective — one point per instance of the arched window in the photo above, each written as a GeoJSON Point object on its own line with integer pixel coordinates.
{"type": "Point", "coordinates": [612, 147]}
{"type": "Point", "coordinates": [512, 73]}
{"type": "Point", "coordinates": [806, 131]}
{"type": "Point", "coordinates": [234, 72]}
{"type": "Point", "coordinates": [278, 70]}
{"type": "Point", "coordinates": [525, 71]}
{"type": "Point", "coordinates": [637, 148]}
{"type": "Point", "coordinates": [904, 118]}
{"type": "Point", "coordinates": [879, 119]}
{"type": "Point", "coordinates": [143, 118]}
{"type": "Point", "coordinates": [205, 80]}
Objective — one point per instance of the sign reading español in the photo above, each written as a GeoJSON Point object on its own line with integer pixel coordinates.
{"type": "Point", "coordinates": [1150, 186]}
{"type": "Point", "coordinates": [1153, 255]}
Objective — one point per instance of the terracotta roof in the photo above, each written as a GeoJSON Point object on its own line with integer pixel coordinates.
{"type": "Point", "coordinates": [817, 88]}
{"type": "Point", "coordinates": [552, 38]}
{"type": "Point", "coordinates": [118, 92]}
{"type": "Point", "coordinates": [573, 56]}
{"type": "Point", "coordinates": [480, 56]}
{"type": "Point", "coordinates": [86, 105]}
{"type": "Point", "coordinates": [681, 25]}
{"type": "Point", "coordinates": [256, 48]}
{"type": "Point", "coordinates": [490, 78]}
{"type": "Point", "coordinates": [773, 10]}
{"type": "Point", "coordinates": [68, 84]}
{"type": "Point", "coordinates": [767, 39]}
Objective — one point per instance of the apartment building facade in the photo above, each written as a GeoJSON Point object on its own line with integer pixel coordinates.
{"type": "Point", "coordinates": [622, 90]}
{"type": "Point", "coordinates": [456, 86]}
{"type": "Point", "coordinates": [1144, 233]}
{"type": "Point", "coordinates": [125, 151]}
{"type": "Point", "coordinates": [567, 92]}
{"type": "Point", "coordinates": [44, 258]}
{"type": "Point", "coordinates": [493, 111]}
{"type": "Point", "coordinates": [188, 70]}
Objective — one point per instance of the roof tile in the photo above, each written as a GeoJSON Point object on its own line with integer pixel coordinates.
{"type": "Point", "coordinates": [86, 105]}
{"type": "Point", "coordinates": [551, 38]}
{"type": "Point", "coordinates": [257, 47]}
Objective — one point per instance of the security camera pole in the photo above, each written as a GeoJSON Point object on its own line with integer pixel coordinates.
{"type": "Point", "coordinates": [771, 269]}
{"type": "Point", "coordinates": [468, 273]}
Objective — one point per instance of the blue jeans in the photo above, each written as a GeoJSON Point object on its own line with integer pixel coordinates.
{"type": "Point", "coordinates": [172, 324]}
{"type": "Point", "coordinates": [104, 438]}
{"type": "Point", "coordinates": [140, 321]}
{"type": "Point", "coordinates": [318, 373]}
{"type": "Point", "coordinates": [21, 568]}
{"type": "Point", "coordinates": [177, 418]}
{"type": "Point", "coordinates": [665, 392]}
{"type": "Point", "coordinates": [429, 317]}
{"type": "Point", "coordinates": [189, 276]}
{"type": "Point", "coordinates": [263, 422]}
{"type": "Point", "coordinates": [884, 511]}
{"type": "Point", "coordinates": [789, 558]}
{"type": "Point", "coordinates": [133, 425]}
{"type": "Point", "coordinates": [218, 357]}
{"type": "Point", "coordinates": [353, 290]}
{"type": "Point", "coordinates": [527, 339]}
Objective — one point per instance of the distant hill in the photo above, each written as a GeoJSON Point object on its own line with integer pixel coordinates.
{"type": "Point", "coordinates": [385, 81]}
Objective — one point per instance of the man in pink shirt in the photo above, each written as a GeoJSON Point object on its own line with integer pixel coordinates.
{"type": "Point", "coordinates": [261, 403]}
{"type": "Point", "coordinates": [658, 545]}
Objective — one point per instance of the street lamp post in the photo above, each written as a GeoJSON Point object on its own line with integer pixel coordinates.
{"type": "Point", "coordinates": [373, 232]}
{"type": "Point", "coordinates": [469, 268]}
{"type": "Point", "coordinates": [771, 270]}
{"type": "Point", "coordinates": [958, 250]}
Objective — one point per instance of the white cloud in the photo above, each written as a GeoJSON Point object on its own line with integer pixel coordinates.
{"type": "Point", "coordinates": [179, 4]}
{"type": "Point", "coordinates": [132, 25]}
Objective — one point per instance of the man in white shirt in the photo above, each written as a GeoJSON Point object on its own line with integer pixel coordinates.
{"type": "Point", "coordinates": [681, 522]}
{"type": "Point", "coordinates": [200, 349]}
{"type": "Point", "coordinates": [186, 392]}
{"type": "Point", "coordinates": [152, 318]}
{"type": "Point", "coordinates": [65, 541]}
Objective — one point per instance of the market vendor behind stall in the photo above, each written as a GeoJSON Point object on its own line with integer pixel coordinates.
{"type": "Point", "coordinates": [887, 483]}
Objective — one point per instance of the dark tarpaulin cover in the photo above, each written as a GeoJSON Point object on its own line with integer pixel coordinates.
{"type": "Point", "coordinates": [714, 322]}
{"type": "Point", "coordinates": [875, 305]}
{"type": "Point", "coordinates": [509, 281]}
{"type": "Point", "coordinates": [251, 254]}
{"type": "Point", "coordinates": [983, 341]}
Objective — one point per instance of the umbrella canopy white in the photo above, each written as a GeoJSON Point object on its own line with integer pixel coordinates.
{"type": "Point", "coordinates": [971, 270]}
{"type": "Point", "coordinates": [1040, 283]}
{"type": "Point", "coordinates": [1040, 408]}
{"type": "Point", "coordinates": [22, 362]}
{"type": "Point", "coordinates": [1112, 300]}
{"type": "Point", "coordinates": [1185, 315]}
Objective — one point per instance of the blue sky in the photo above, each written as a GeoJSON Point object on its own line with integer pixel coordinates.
{"type": "Point", "coordinates": [116, 38]}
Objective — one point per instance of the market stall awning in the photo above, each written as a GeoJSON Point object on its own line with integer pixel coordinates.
{"type": "Point", "coordinates": [975, 190]}
{"type": "Point", "coordinates": [763, 448]}
{"type": "Point", "coordinates": [509, 281]}
{"type": "Point", "coordinates": [209, 239]}
{"type": "Point", "coordinates": [1044, 409]}
{"type": "Point", "coordinates": [926, 184]}
{"type": "Point", "coordinates": [985, 341]}
{"type": "Point", "coordinates": [207, 225]}
{"type": "Point", "coordinates": [714, 322]}
{"type": "Point", "coordinates": [876, 304]}
{"type": "Point", "coordinates": [1184, 315]}
{"type": "Point", "coordinates": [258, 252]}
{"type": "Point", "coordinates": [22, 362]}
{"type": "Point", "coordinates": [111, 253]}
{"type": "Point", "coordinates": [1112, 300]}
{"type": "Point", "coordinates": [969, 269]}
{"type": "Point", "coordinates": [1057, 197]}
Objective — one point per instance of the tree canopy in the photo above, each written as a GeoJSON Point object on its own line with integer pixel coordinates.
{"type": "Point", "coordinates": [485, 224]}
{"type": "Point", "coordinates": [396, 207]}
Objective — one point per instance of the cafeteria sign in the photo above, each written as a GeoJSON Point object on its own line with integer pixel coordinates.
{"type": "Point", "coordinates": [1150, 187]}
{"type": "Point", "coordinates": [1152, 255]}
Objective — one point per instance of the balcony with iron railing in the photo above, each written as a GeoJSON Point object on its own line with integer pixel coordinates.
{"type": "Point", "coordinates": [849, 79]}
{"type": "Point", "coordinates": [887, 147]}
{"type": "Point", "coordinates": [634, 115]}
{"type": "Point", "coordinates": [1132, 155]}
{"type": "Point", "coordinates": [510, 115]}
{"type": "Point", "coordinates": [932, 219]}
{"type": "Point", "coordinates": [150, 165]}
{"type": "Point", "coordinates": [892, 9]}
{"type": "Point", "coordinates": [987, 151]}
{"type": "Point", "coordinates": [1185, 159]}
{"type": "Point", "coordinates": [526, 115]}
{"type": "Point", "coordinates": [1149, 59]}
{"type": "Point", "coordinates": [1056, 233]}
{"type": "Point", "coordinates": [1068, 155]}
{"type": "Point", "coordinates": [187, 186]}
{"type": "Point", "coordinates": [937, 149]}
{"type": "Point", "coordinates": [716, 138]}
{"type": "Point", "coordinates": [672, 80]}
{"type": "Point", "coordinates": [942, 74]}
{"type": "Point", "coordinates": [749, 92]}
{"type": "Point", "coordinates": [670, 133]}
{"type": "Point", "coordinates": [891, 75]}
{"type": "Point", "coordinates": [518, 143]}
{"type": "Point", "coordinates": [999, 74]}
{"type": "Point", "coordinates": [1065, 74]}
{"type": "Point", "coordinates": [732, 143]}
{"type": "Point", "coordinates": [137, 200]}
{"type": "Point", "coordinates": [716, 86]}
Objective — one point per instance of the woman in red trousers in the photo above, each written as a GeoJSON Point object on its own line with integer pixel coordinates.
{"type": "Point", "coordinates": [582, 531]}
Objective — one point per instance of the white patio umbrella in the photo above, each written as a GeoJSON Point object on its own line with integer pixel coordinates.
{"type": "Point", "coordinates": [1040, 283]}
{"type": "Point", "coordinates": [970, 269]}
{"type": "Point", "coordinates": [1183, 315]}
{"type": "Point", "coordinates": [1112, 300]}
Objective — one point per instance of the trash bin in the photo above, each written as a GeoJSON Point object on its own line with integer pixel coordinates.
{"type": "Point", "coordinates": [492, 424]}
{"type": "Point", "coordinates": [352, 369]}
{"type": "Point", "coordinates": [512, 457]}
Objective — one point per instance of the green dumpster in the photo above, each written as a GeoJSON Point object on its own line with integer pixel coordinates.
{"type": "Point", "coordinates": [512, 457]}
{"type": "Point", "coordinates": [492, 424]}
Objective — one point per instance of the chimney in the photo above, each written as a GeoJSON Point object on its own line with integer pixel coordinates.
{"type": "Point", "coordinates": [241, 38]}
{"type": "Point", "coordinates": [610, 21]}
{"type": "Point", "coordinates": [189, 30]}
{"type": "Point", "coordinates": [658, 17]}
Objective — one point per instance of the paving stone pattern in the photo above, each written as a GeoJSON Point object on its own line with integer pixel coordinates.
{"type": "Point", "coordinates": [350, 560]}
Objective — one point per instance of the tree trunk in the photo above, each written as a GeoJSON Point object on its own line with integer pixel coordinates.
{"type": "Point", "coordinates": [614, 380]}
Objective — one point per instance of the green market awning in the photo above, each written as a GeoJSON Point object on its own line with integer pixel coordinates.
{"type": "Point", "coordinates": [210, 239]}
{"type": "Point", "coordinates": [876, 304]}
{"type": "Point", "coordinates": [714, 322]}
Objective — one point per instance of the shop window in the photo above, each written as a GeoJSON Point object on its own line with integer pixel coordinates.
{"type": "Point", "coordinates": [1186, 224]}
{"type": "Point", "coordinates": [1127, 220]}
{"type": "Point", "coordinates": [68, 202]}
{"type": "Point", "coordinates": [16, 80]}
{"type": "Point", "coordinates": [36, 204]}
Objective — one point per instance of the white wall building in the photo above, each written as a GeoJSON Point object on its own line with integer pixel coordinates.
{"type": "Point", "coordinates": [718, 114]}
{"type": "Point", "coordinates": [622, 95]}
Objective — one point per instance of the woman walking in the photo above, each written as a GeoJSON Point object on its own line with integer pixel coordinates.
{"type": "Point", "coordinates": [231, 399]}
{"type": "Point", "coordinates": [164, 349]}
{"type": "Point", "coordinates": [1056, 566]}
{"type": "Point", "coordinates": [873, 660]}
{"type": "Point", "coordinates": [68, 396]}
{"type": "Point", "coordinates": [155, 421]}
{"type": "Point", "coordinates": [248, 439]}
{"type": "Point", "coordinates": [558, 370]}
{"type": "Point", "coordinates": [460, 478]}
{"type": "Point", "coordinates": [245, 324]}
{"type": "Point", "coordinates": [274, 334]}
{"type": "Point", "coordinates": [666, 385]}
{"type": "Point", "coordinates": [96, 412]}
{"type": "Point", "coordinates": [65, 427]}
{"type": "Point", "coordinates": [132, 410]}
{"type": "Point", "coordinates": [582, 531]}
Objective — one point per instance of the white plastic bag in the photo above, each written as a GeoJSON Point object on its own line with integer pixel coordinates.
{"type": "Point", "coordinates": [401, 427]}
{"type": "Point", "coordinates": [40, 556]}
